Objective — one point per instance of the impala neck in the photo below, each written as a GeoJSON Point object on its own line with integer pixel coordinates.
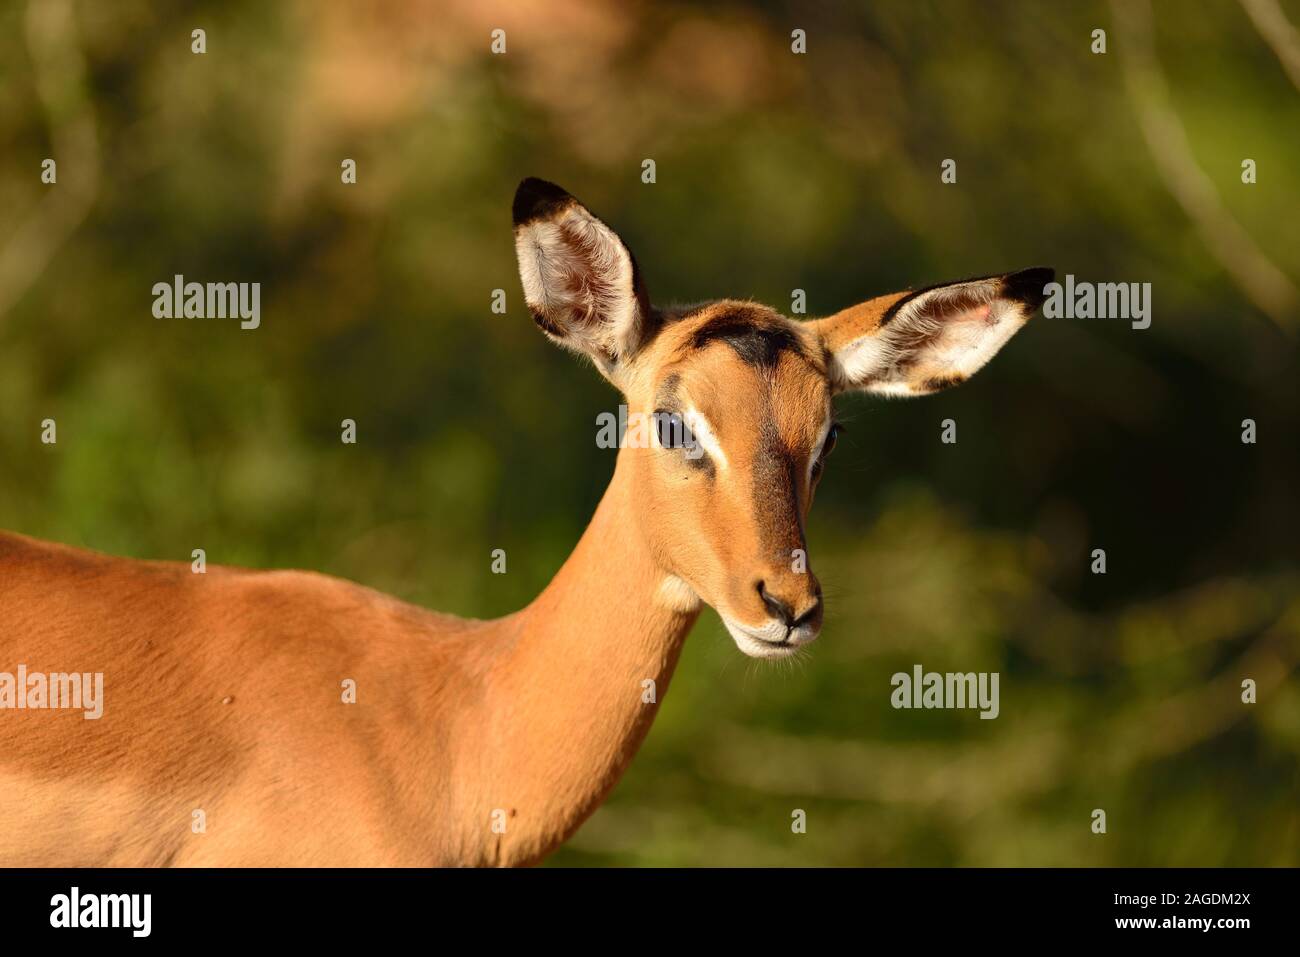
{"type": "Point", "coordinates": [569, 702]}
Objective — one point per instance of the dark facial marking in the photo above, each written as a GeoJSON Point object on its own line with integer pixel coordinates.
{"type": "Point", "coordinates": [667, 404]}
{"type": "Point", "coordinates": [667, 397]}
{"type": "Point", "coordinates": [757, 342]}
{"type": "Point", "coordinates": [702, 463]}
{"type": "Point", "coordinates": [776, 483]}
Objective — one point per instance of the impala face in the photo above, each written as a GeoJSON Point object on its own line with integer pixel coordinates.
{"type": "Point", "coordinates": [723, 497]}
{"type": "Point", "coordinates": [728, 521]}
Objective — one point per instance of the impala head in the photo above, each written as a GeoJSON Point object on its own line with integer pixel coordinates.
{"type": "Point", "coordinates": [738, 403]}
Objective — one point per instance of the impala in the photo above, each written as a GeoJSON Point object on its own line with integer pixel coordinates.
{"type": "Point", "coordinates": [224, 737]}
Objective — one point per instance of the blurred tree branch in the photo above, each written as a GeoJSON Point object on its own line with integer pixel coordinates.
{"type": "Point", "coordinates": [1278, 33]}
{"type": "Point", "coordinates": [1255, 274]}
{"type": "Point", "coordinates": [60, 73]}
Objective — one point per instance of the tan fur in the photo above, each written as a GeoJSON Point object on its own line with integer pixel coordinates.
{"type": "Point", "coordinates": [223, 692]}
{"type": "Point", "coordinates": [854, 322]}
{"type": "Point", "coordinates": [534, 715]}
{"type": "Point", "coordinates": [714, 540]}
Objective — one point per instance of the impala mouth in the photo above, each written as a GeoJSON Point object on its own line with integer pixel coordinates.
{"type": "Point", "coordinates": [772, 640]}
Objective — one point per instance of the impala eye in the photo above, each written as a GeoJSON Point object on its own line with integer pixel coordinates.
{"type": "Point", "coordinates": [673, 431]}
{"type": "Point", "coordinates": [832, 437]}
{"type": "Point", "coordinates": [828, 447]}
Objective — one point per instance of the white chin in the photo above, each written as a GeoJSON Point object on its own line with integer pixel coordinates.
{"type": "Point", "coordinates": [766, 642]}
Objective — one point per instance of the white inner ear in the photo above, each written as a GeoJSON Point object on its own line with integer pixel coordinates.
{"type": "Point", "coordinates": [862, 358]}
{"type": "Point", "coordinates": [956, 336]}
{"type": "Point", "coordinates": [577, 272]}
{"type": "Point", "coordinates": [536, 248]}
{"type": "Point", "coordinates": [969, 343]}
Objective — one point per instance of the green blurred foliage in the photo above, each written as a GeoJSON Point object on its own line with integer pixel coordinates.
{"type": "Point", "coordinates": [775, 172]}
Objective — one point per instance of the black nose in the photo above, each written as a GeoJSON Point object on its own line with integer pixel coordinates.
{"type": "Point", "coordinates": [783, 611]}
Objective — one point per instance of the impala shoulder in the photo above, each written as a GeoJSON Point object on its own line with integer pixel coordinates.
{"type": "Point", "coordinates": [17, 548]}
{"type": "Point", "coordinates": [342, 600]}
{"type": "Point", "coordinates": [22, 554]}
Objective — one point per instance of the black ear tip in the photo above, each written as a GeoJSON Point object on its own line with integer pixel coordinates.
{"type": "Point", "coordinates": [536, 199]}
{"type": "Point", "coordinates": [1027, 285]}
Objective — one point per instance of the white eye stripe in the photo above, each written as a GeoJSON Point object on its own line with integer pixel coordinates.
{"type": "Point", "coordinates": [820, 444]}
{"type": "Point", "coordinates": [705, 435]}
{"type": "Point", "coordinates": [702, 432]}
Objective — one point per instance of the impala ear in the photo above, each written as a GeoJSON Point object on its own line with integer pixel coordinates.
{"type": "Point", "coordinates": [580, 281]}
{"type": "Point", "coordinates": [915, 343]}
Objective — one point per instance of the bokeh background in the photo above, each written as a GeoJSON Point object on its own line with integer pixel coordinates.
{"type": "Point", "coordinates": [775, 171]}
